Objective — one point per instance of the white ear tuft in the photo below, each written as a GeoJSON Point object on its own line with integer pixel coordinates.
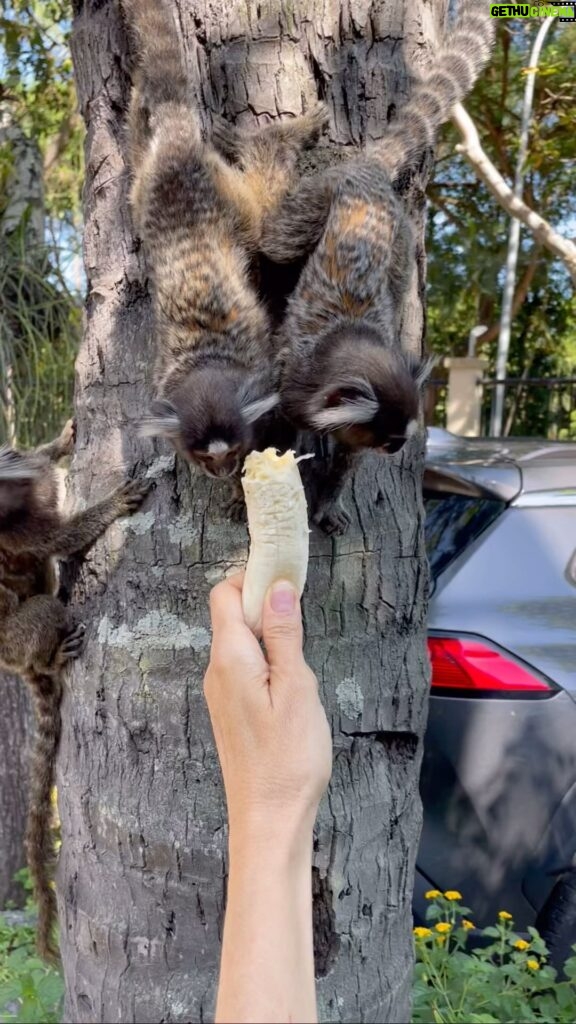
{"type": "Point", "coordinates": [162, 422]}
{"type": "Point", "coordinates": [162, 426]}
{"type": "Point", "coordinates": [254, 410]}
{"type": "Point", "coordinates": [421, 368]}
{"type": "Point", "coordinates": [347, 414]}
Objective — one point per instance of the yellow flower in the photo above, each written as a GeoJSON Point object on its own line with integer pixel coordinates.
{"type": "Point", "coordinates": [453, 894]}
{"type": "Point", "coordinates": [440, 940]}
{"type": "Point", "coordinates": [422, 933]}
{"type": "Point", "coordinates": [521, 944]}
{"type": "Point", "coordinates": [533, 965]}
{"type": "Point", "coordinates": [467, 924]}
{"type": "Point", "coordinates": [504, 915]}
{"type": "Point", "coordinates": [443, 926]}
{"type": "Point", "coordinates": [432, 894]}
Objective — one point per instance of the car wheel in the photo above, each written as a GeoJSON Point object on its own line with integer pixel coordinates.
{"type": "Point", "coordinates": [556, 921]}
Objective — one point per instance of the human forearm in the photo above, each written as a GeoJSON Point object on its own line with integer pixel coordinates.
{"type": "Point", "coordinates": [275, 749]}
{"type": "Point", "coordinates": [267, 967]}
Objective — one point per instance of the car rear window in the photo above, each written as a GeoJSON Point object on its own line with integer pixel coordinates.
{"type": "Point", "coordinates": [453, 521]}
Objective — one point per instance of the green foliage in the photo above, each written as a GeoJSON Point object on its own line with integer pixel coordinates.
{"type": "Point", "coordinates": [38, 86]}
{"type": "Point", "coordinates": [468, 231]}
{"type": "Point", "coordinates": [508, 979]}
{"type": "Point", "coordinates": [40, 131]}
{"type": "Point", "coordinates": [40, 324]}
{"type": "Point", "coordinates": [30, 991]}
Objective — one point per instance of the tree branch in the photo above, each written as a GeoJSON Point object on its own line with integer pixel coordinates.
{"type": "Point", "coordinates": [495, 134]}
{"type": "Point", "coordinates": [58, 142]}
{"type": "Point", "coordinates": [443, 206]}
{"type": "Point", "coordinates": [543, 232]}
{"type": "Point", "coordinates": [522, 289]}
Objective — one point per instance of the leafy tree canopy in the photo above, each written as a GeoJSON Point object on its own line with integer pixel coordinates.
{"type": "Point", "coordinates": [40, 188]}
{"type": "Point", "coordinates": [37, 89]}
{"type": "Point", "coordinates": [468, 231]}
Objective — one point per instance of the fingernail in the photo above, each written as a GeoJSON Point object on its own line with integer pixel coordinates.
{"type": "Point", "coordinates": [283, 598]}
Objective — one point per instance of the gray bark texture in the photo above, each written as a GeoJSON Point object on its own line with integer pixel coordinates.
{"type": "Point", "coordinates": [142, 873]}
{"type": "Point", "coordinates": [15, 735]}
{"type": "Point", "coordinates": [25, 185]}
{"type": "Point", "coordinates": [24, 199]}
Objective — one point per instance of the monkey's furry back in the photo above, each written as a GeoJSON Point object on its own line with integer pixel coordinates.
{"type": "Point", "coordinates": [38, 635]}
{"type": "Point", "coordinates": [200, 219]}
{"type": "Point", "coordinates": [22, 576]}
{"type": "Point", "coordinates": [176, 209]}
{"type": "Point", "coordinates": [191, 234]}
{"type": "Point", "coordinates": [362, 265]}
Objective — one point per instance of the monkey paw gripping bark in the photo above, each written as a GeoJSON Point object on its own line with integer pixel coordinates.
{"type": "Point", "coordinates": [38, 636]}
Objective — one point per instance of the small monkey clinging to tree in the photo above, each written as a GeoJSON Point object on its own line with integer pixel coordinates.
{"type": "Point", "coordinates": [38, 636]}
{"type": "Point", "coordinates": [345, 372]}
{"type": "Point", "coordinates": [200, 220]}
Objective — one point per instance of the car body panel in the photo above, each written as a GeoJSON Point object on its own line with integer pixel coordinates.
{"type": "Point", "coordinates": [499, 775]}
{"type": "Point", "coordinates": [511, 586]}
{"type": "Point", "coordinates": [503, 467]}
{"type": "Point", "coordinates": [493, 776]}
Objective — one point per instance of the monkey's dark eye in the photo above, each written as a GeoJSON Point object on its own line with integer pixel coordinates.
{"type": "Point", "coordinates": [343, 395]}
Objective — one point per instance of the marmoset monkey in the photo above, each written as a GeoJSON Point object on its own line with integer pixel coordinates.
{"type": "Point", "coordinates": [200, 219]}
{"type": "Point", "coordinates": [38, 636]}
{"type": "Point", "coordinates": [344, 371]}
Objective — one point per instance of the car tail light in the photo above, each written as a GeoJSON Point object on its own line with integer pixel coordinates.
{"type": "Point", "coordinates": [466, 666]}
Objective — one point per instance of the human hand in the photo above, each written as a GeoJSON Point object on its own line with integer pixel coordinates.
{"type": "Point", "coordinates": [270, 727]}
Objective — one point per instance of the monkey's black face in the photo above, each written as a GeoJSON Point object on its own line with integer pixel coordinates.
{"type": "Point", "coordinates": [211, 418]}
{"type": "Point", "coordinates": [364, 392]}
{"type": "Point", "coordinates": [15, 497]}
{"type": "Point", "coordinates": [215, 440]}
{"type": "Point", "coordinates": [364, 417]}
{"type": "Point", "coordinates": [218, 460]}
{"type": "Point", "coordinates": [385, 441]}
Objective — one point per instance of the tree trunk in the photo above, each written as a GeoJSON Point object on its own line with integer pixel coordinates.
{"type": "Point", "coordinates": [15, 733]}
{"type": "Point", "coordinates": [21, 240]}
{"type": "Point", "coordinates": [143, 866]}
{"type": "Point", "coordinates": [24, 209]}
{"type": "Point", "coordinates": [23, 212]}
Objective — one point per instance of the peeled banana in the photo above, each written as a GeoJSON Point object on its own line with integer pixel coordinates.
{"type": "Point", "coordinates": [278, 527]}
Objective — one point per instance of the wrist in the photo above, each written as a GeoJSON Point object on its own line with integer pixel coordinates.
{"type": "Point", "coordinates": [282, 841]}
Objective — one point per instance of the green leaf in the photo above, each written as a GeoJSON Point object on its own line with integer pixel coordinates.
{"type": "Point", "coordinates": [570, 968]}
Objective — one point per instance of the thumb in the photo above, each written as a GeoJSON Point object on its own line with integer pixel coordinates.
{"type": "Point", "coordinates": [282, 625]}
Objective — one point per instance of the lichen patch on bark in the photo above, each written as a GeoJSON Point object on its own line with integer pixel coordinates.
{"type": "Point", "coordinates": [158, 630]}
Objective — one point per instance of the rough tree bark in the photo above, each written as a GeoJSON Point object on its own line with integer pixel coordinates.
{"type": "Point", "coordinates": [24, 211]}
{"type": "Point", "coordinates": [143, 870]}
{"type": "Point", "coordinates": [15, 734]}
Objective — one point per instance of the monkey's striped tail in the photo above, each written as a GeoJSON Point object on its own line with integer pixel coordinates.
{"type": "Point", "coordinates": [456, 65]}
{"type": "Point", "coordinates": [161, 77]}
{"type": "Point", "coordinates": [46, 693]}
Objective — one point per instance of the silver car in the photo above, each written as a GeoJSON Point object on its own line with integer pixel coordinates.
{"type": "Point", "coordinates": [499, 772]}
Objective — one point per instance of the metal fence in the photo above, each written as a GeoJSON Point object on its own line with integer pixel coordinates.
{"type": "Point", "coordinates": [534, 407]}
